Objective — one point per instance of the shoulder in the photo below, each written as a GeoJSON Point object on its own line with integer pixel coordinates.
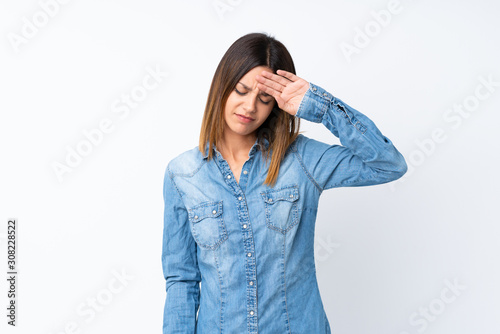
{"type": "Point", "coordinates": [185, 163]}
{"type": "Point", "coordinates": [304, 144]}
{"type": "Point", "coordinates": [310, 152]}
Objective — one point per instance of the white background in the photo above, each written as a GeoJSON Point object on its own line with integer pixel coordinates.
{"type": "Point", "coordinates": [384, 252]}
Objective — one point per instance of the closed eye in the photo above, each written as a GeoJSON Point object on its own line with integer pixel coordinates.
{"type": "Point", "coordinates": [238, 92]}
{"type": "Point", "coordinates": [261, 100]}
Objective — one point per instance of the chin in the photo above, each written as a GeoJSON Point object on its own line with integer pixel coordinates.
{"type": "Point", "coordinates": [242, 131]}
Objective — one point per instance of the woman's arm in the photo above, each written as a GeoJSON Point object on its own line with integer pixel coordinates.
{"type": "Point", "coordinates": [366, 157]}
{"type": "Point", "coordinates": [180, 264]}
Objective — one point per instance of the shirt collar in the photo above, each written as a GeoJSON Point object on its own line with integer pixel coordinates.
{"type": "Point", "coordinates": [254, 148]}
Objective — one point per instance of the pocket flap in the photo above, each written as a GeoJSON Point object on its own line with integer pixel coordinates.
{"type": "Point", "coordinates": [205, 210]}
{"type": "Point", "coordinates": [290, 194]}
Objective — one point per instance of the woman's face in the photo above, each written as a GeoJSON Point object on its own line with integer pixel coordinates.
{"type": "Point", "coordinates": [247, 107]}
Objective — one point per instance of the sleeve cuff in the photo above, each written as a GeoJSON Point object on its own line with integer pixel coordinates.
{"type": "Point", "coordinates": [314, 104]}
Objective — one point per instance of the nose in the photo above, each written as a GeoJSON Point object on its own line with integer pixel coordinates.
{"type": "Point", "coordinates": [250, 102]}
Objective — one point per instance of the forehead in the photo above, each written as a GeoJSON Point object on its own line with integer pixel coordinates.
{"type": "Point", "coordinates": [250, 88]}
{"type": "Point", "coordinates": [248, 80]}
{"type": "Point", "coordinates": [250, 75]}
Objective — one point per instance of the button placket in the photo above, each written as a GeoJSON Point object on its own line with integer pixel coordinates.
{"type": "Point", "coordinates": [248, 244]}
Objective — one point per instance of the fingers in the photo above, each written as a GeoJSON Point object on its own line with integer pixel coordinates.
{"type": "Point", "coordinates": [269, 90]}
{"type": "Point", "coordinates": [270, 83]}
{"type": "Point", "coordinates": [278, 82]}
{"type": "Point", "coordinates": [275, 84]}
{"type": "Point", "coordinates": [289, 75]}
{"type": "Point", "coordinates": [277, 78]}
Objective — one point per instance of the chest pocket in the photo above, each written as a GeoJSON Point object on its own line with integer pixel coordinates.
{"type": "Point", "coordinates": [281, 208]}
{"type": "Point", "coordinates": [207, 224]}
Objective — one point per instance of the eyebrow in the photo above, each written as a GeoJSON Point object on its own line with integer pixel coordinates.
{"type": "Point", "coordinates": [248, 88]}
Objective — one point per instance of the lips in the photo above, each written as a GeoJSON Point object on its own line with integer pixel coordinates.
{"type": "Point", "coordinates": [245, 117]}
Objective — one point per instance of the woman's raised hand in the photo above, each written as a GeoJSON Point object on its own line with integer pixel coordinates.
{"type": "Point", "coordinates": [286, 88]}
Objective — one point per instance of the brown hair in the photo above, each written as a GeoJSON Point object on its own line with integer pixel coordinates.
{"type": "Point", "coordinates": [280, 128]}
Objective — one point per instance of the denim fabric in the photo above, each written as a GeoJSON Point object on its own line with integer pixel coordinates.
{"type": "Point", "coordinates": [252, 246]}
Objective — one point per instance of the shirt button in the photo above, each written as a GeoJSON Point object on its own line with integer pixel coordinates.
{"type": "Point", "coordinates": [240, 198]}
{"type": "Point", "coordinates": [270, 200]}
{"type": "Point", "coordinates": [244, 225]}
{"type": "Point", "coordinates": [251, 312]}
{"type": "Point", "coordinates": [251, 282]}
{"type": "Point", "coordinates": [229, 176]}
{"type": "Point", "coordinates": [245, 172]}
{"type": "Point", "coordinates": [291, 196]}
{"type": "Point", "coordinates": [214, 212]}
{"type": "Point", "coordinates": [249, 254]}
{"type": "Point", "coordinates": [195, 217]}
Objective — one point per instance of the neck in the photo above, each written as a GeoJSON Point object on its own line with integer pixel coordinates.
{"type": "Point", "coordinates": [236, 147]}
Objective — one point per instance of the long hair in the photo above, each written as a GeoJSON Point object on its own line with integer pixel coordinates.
{"type": "Point", "coordinates": [280, 128]}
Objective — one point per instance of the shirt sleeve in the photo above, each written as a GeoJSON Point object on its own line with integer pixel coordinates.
{"type": "Point", "coordinates": [366, 157]}
{"type": "Point", "coordinates": [180, 264]}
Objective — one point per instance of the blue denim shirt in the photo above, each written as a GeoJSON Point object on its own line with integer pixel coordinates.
{"type": "Point", "coordinates": [252, 246]}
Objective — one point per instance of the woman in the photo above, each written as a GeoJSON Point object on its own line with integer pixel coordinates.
{"type": "Point", "coordinates": [240, 208]}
